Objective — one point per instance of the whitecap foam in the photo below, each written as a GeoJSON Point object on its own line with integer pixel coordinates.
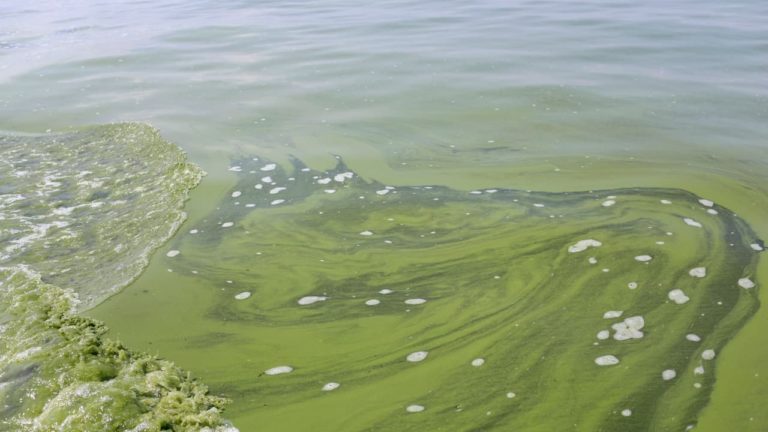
{"type": "Point", "coordinates": [331, 386]}
{"type": "Point", "coordinates": [668, 374]}
{"type": "Point", "coordinates": [417, 356]}
{"type": "Point", "coordinates": [582, 245]}
{"type": "Point", "coordinates": [678, 296]}
{"type": "Point", "coordinates": [415, 301]}
{"type": "Point", "coordinates": [746, 283]}
{"type": "Point", "coordinates": [698, 272]}
{"type": "Point", "coordinates": [607, 360]}
{"type": "Point", "coordinates": [278, 370]}
{"type": "Point", "coordinates": [643, 258]}
{"type": "Point", "coordinates": [308, 300]}
{"type": "Point", "coordinates": [692, 222]}
{"type": "Point", "coordinates": [243, 295]}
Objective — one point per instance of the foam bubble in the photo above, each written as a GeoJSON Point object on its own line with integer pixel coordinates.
{"type": "Point", "coordinates": [366, 233]}
{"type": "Point", "coordinates": [227, 224]}
{"type": "Point", "coordinates": [382, 192]}
{"type": "Point", "coordinates": [308, 300]}
{"type": "Point", "coordinates": [626, 412]}
{"type": "Point", "coordinates": [668, 374]}
{"type": "Point", "coordinates": [607, 360]}
{"type": "Point", "coordinates": [417, 356]}
{"type": "Point", "coordinates": [478, 362]}
{"type": "Point", "coordinates": [415, 301]}
{"type": "Point", "coordinates": [277, 202]}
{"type": "Point", "coordinates": [756, 247]}
{"type": "Point", "coordinates": [343, 176]}
{"type": "Point", "coordinates": [693, 337]}
{"type": "Point", "coordinates": [415, 408]}
{"type": "Point", "coordinates": [692, 222]}
{"type": "Point", "coordinates": [172, 253]}
{"type": "Point", "coordinates": [698, 370]}
{"type": "Point", "coordinates": [243, 295]}
{"type": "Point", "coordinates": [385, 291]}
{"type": "Point", "coordinates": [708, 354]}
{"type": "Point", "coordinates": [511, 395]}
{"type": "Point", "coordinates": [666, 201]}
{"type": "Point", "coordinates": [746, 283]}
{"type": "Point", "coordinates": [608, 203]}
{"type": "Point", "coordinates": [278, 370]}
{"type": "Point", "coordinates": [612, 314]}
{"type": "Point", "coordinates": [372, 302]}
{"type": "Point", "coordinates": [331, 386]}
{"type": "Point", "coordinates": [582, 245]}
{"type": "Point", "coordinates": [603, 334]}
{"type": "Point", "coordinates": [276, 190]}
{"type": "Point", "coordinates": [698, 272]}
{"type": "Point", "coordinates": [269, 167]}
{"type": "Point", "coordinates": [706, 202]}
{"type": "Point", "coordinates": [236, 194]}
{"type": "Point", "coordinates": [632, 285]}
{"type": "Point", "coordinates": [643, 258]}
{"type": "Point", "coordinates": [324, 181]}
{"type": "Point", "coordinates": [678, 296]}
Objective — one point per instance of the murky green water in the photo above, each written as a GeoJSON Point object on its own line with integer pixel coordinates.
{"type": "Point", "coordinates": [644, 102]}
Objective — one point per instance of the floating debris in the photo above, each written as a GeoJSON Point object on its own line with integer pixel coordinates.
{"type": "Point", "coordinates": [608, 203]}
{"type": "Point", "coordinates": [632, 285]}
{"type": "Point", "coordinates": [236, 194]}
{"type": "Point", "coordinates": [746, 283]}
{"type": "Point", "coordinates": [417, 356]}
{"type": "Point", "coordinates": [698, 272]}
{"type": "Point", "coordinates": [706, 202]}
{"type": "Point", "coordinates": [227, 224]}
{"type": "Point", "coordinates": [668, 374]}
{"type": "Point", "coordinates": [607, 360]}
{"type": "Point", "coordinates": [539, 205]}
{"type": "Point", "coordinates": [692, 222]}
{"type": "Point", "coordinates": [324, 181]}
{"type": "Point", "coordinates": [666, 201]}
{"type": "Point", "coordinates": [276, 190]}
{"type": "Point", "coordinates": [698, 370]}
{"type": "Point", "coordinates": [626, 412]}
{"type": "Point", "coordinates": [366, 233]}
{"type": "Point", "coordinates": [331, 386]}
{"type": "Point", "coordinates": [385, 291]}
{"type": "Point", "coordinates": [269, 167]}
{"type": "Point", "coordinates": [172, 253]}
{"type": "Point", "coordinates": [382, 192]}
{"type": "Point", "coordinates": [603, 334]}
{"type": "Point", "coordinates": [756, 246]}
{"type": "Point", "coordinates": [643, 258]}
{"type": "Point", "coordinates": [372, 302]}
{"type": "Point", "coordinates": [243, 295]}
{"type": "Point", "coordinates": [708, 354]}
{"type": "Point", "coordinates": [592, 260]}
{"type": "Point", "coordinates": [678, 296]}
{"type": "Point", "coordinates": [277, 202]}
{"type": "Point", "coordinates": [278, 370]}
{"type": "Point", "coordinates": [582, 245]}
{"type": "Point", "coordinates": [612, 314]}
{"type": "Point", "coordinates": [308, 300]}
{"type": "Point", "coordinates": [343, 176]}
{"type": "Point", "coordinates": [511, 395]}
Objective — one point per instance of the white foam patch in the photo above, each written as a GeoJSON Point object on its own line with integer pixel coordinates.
{"type": "Point", "coordinates": [417, 356]}
{"type": "Point", "coordinates": [706, 202]}
{"type": "Point", "coordinates": [668, 374]}
{"type": "Point", "coordinates": [259, 186]}
{"type": "Point", "coordinates": [612, 314]}
{"type": "Point", "coordinates": [343, 176]}
{"type": "Point", "coordinates": [331, 386]}
{"type": "Point", "coordinates": [666, 201]}
{"type": "Point", "coordinates": [756, 247]}
{"type": "Point", "coordinates": [382, 192]}
{"type": "Point", "coordinates": [236, 194]}
{"type": "Point", "coordinates": [712, 211]}
{"type": "Point", "coordinates": [415, 408]}
{"type": "Point", "coordinates": [692, 222]}
{"type": "Point", "coordinates": [243, 295]}
{"type": "Point", "coordinates": [632, 285]}
{"type": "Point", "coordinates": [629, 328]}
{"type": "Point", "coordinates": [592, 260]}
{"type": "Point", "coordinates": [366, 233]}
{"type": "Point", "coordinates": [643, 258]}
{"type": "Point", "coordinates": [678, 296]}
{"type": "Point", "coordinates": [693, 337]}
{"type": "Point", "coordinates": [267, 179]}
{"type": "Point", "coordinates": [372, 302]}
{"type": "Point", "coordinates": [277, 202]}
{"type": "Point", "coordinates": [746, 283]}
{"type": "Point", "coordinates": [539, 205]}
{"type": "Point", "coordinates": [511, 395]}
{"type": "Point", "coordinates": [385, 291]}
{"type": "Point", "coordinates": [608, 203]}
{"type": "Point", "coordinates": [324, 181]}
{"type": "Point", "coordinates": [235, 169]}
{"type": "Point", "coordinates": [193, 231]}
{"type": "Point", "coordinates": [582, 245]}
{"type": "Point", "coordinates": [227, 224]}
{"type": "Point", "coordinates": [276, 190]}
{"type": "Point", "coordinates": [416, 301]}
{"type": "Point", "coordinates": [698, 370]}
{"type": "Point", "coordinates": [708, 354]}
{"type": "Point", "coordinates": [329, 191]}
{"type": "Point", "coordinates": [278, 370]}
{"type": "Point", "coordinates": [607, 360]}
{"type": "Point", "coordinates": [172, 253]}
{"type": "Point", "coordinates": [478, 362]}
{"type": "Point", "coordinates": [308, 300]}
{"type": "Point", "coordinates": [269, 167]}
{"type": "Point", "coordinates": [603, 334]}
{"type": "Point", "coordinates": [698, 272]}
{"type": "Point", "coordinates": [626, 412]}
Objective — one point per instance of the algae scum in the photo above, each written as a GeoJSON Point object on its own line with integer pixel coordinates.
{"type": "Point", "coordinates": [340, 303]}
{"type": "Point", "coordinates": [344, 304]}
{"type": "Point", "coordinates": [79, 214]}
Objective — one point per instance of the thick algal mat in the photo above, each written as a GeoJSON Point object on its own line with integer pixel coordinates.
{"type": "Point", "coordinates": [79, 215]}
{"type": "Point", "coordinates": [346, 304]}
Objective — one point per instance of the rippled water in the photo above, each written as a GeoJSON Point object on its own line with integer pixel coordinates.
{"type": "Point", "coordinates": [557, 96]}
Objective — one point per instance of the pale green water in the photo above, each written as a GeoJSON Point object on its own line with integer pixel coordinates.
{"type": "Point", "coordinates": [530, 95]}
